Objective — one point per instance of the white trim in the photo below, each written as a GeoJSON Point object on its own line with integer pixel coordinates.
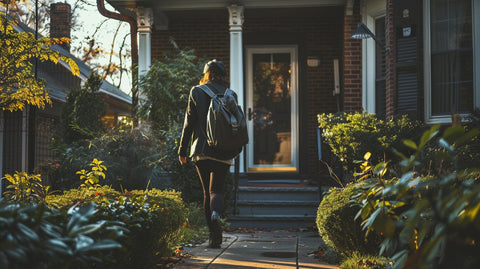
{"type": "Point", "coordinates": [236, 60]}
{"type": "Point", "coordinates": [196, 4]}
{"type": "Point", "coordinates": [427, 59]}
{"type": "Point", "coordinates": [293, 50]}
{"type": "Point", "coordinates": [476, 52]}
{"type": "Point", "coordinates": [371, 10]}
{"type": "Point", "coordinates": [429, 118]}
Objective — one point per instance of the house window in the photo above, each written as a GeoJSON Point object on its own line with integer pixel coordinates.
{"type": "Point", "coordinates": [449, 61]}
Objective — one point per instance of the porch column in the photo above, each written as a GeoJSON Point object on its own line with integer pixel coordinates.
{"type": "Point", "coordinates": [236, 59]}
{"type": "Point", "coordinates": [144, 24]}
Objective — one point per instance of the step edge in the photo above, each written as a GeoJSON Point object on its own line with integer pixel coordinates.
{"type": "Point", "coordinates": [269, 217]}
{"type": "Point", "coordinates": [279, 189]}
{"type": "Point", "coordinates": [278, 202]}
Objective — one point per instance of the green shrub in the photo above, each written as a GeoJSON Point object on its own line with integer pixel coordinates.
{"type": "Point", "coordinates": [362, 261]}
{"type": "Point", "coordinates": [131, 157]}
{"type": "Point", "coordinates": [350, 135]}
{"type": "Point", "coordinates": [153, 217]}
{"type": "Point", "coordinates": [430, 215]}
{"type": "Point", "coordinates": [82, 114]}
{"type": "Point", "coordinates": [337, 225]}
{"type": "Point", "coordinates": [24, 188]}
{"type": "Point", "coordinates": [35, 236]}
{"type": "Point", "coordinates": [167, 85]}
{"type": "Point", "coordinates": [71, 197]}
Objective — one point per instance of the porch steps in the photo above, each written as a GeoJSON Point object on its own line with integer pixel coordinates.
{"type": "Point", "coordinates": [275, 206]}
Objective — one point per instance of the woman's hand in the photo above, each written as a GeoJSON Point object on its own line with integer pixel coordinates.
{"type": "Point", "coordinates": [182, 159]}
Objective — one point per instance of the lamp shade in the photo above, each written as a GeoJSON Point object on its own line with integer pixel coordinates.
{"type": "Point", "coordinates": [362, 32]}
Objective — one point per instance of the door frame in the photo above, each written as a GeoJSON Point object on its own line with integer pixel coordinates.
{"type": "Point", "coordinates": [294, 165]}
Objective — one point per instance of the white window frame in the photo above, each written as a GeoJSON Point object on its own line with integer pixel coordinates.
{"type": "Point", "coordinates": [372, 11]}
{"type": "Point", "coordinates": [429, 118]}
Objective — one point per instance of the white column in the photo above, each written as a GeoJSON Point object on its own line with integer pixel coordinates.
{"type": "Point", "coordinates": [236, 59]}
{"type": "Point", "coordinates": [144, 24]}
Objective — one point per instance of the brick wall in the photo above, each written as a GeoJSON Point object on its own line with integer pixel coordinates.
{"type": "Point", "coordinates": [316, 31]}
{"type": "Point", "coordinates": [205, 31]}
{"type": "Point", "coordinates": [352, 64]}
{"type": "Point", "coordinates": [60, 21]}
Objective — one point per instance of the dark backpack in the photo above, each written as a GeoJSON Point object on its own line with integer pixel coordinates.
{"type": "Point", "coordinates": [226, 124]}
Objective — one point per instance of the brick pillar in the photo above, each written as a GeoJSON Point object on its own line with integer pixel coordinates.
{"type": "Point", "coordinates": [390, 61]}
{"type": "Point", "coordinates": [352, 61]}
{"type": "Point", "coordinates": [60, 22]}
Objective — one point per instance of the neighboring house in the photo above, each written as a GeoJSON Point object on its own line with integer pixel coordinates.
{"type": "Point", "coordinates": [291, 60]}
{"type": "Point", "coordinates": [25, 136]}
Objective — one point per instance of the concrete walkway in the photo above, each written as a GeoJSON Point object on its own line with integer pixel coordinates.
{"type": "Point", "coordinates": [274, 249]}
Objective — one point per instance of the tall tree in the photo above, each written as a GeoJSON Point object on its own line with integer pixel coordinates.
{"type": "Point", "coordinates": [18, 84]}
{"type": "Point", "coordinates": [82, 114]}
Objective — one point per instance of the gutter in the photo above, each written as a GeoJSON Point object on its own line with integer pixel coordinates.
{"type": "Point", "coordinates": [133, 40]}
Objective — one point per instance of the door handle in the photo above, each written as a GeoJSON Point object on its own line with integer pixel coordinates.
{"type": "Point", "coordinates": [249, 113]}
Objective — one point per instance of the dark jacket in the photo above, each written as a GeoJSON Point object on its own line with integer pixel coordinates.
{"type": "Point", "coordinates": [195, 122]}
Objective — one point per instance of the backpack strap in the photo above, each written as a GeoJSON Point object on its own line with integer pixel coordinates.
{"type": "Point", "coordinates": [208, 91]}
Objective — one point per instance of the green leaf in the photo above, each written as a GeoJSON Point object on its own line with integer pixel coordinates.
{"type": "Point", "coordinates": [58, 246]}
{"type": "Point", "coordinates": [409, 143]}
{"type": "Point", "coordinates": [428, 135]}
{"type": "Point", "coordinates": [86, 229]}
{"type": "Point", "coordinates": [405, 178]}
{"type": "Point", "coordinates": [103, 245]}
{"type": "Point", "coordinates": [371, 218]}
{"type": "Point", "coordinates": [400, 258]}
{"type": "Point", "coordinates": [467, 137]}
{"type": "Point", "coordinates": [444, 144]}
{"type": "Point", "coordinates": [32, 235]}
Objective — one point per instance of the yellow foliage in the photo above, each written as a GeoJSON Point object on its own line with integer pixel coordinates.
{"type": "Point", "coordinates": [18, 85]}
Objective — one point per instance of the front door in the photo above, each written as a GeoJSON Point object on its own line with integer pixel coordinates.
{"type": "Point", "coordinates": [272, 109]}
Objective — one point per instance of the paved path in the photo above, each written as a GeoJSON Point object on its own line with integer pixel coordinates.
{"type": "Point", "coordinates": [275, 249]}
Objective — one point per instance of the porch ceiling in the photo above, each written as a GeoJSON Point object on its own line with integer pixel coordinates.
{"type": "Point", "coordinates": [209, 4]}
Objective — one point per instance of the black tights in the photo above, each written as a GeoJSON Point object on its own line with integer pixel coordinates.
{"type": "Point", "coordinates": [212, 176]}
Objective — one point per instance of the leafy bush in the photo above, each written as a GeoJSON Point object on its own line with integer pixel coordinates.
{"type": "Point", "coordinates": [25, 188]}
{"type": "Point", "coordinates": [131, 158]}
{"type": "Point", "coordinates": [35, 235]}
{"type": "Point", "coordinates": [167, 85]}
{"type": "Point", "coordinates": [357, 261]}
{"type": "Point", "coordinates": [153, 217]}
{"type": "Point", "coordinates": [430, 215]}
{"type": "Point", "coordinates": [350, 136]}
{"type": "Point", "coordinates": [337, 225]}
{"type": "Point", "coordinates": [71, 197]}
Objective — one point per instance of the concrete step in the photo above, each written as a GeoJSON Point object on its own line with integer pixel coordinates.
{"type": "Point", "coordinates": [271, 221]}
{"type": "Point", "coordinates": [277, 207]}
{"type": "Point", "coordinates": [278, 193]}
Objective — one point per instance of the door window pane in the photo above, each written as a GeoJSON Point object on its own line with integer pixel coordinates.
{"type": "Point", "coordinates": [272, 108]}
{"type": "Point", "coordinates": [451, 57]}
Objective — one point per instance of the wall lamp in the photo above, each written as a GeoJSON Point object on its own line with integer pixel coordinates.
{"type": "Point", "coordinates": [362, 32]}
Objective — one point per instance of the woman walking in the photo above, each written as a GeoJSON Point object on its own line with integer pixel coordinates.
{"type": "Point", "coordinates": [212, 164]}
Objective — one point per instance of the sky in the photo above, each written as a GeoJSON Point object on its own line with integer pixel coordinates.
{"type": "Point", "coordinates": [87, 20]}
{"type": "Point", "coordinates": [88, 23]}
